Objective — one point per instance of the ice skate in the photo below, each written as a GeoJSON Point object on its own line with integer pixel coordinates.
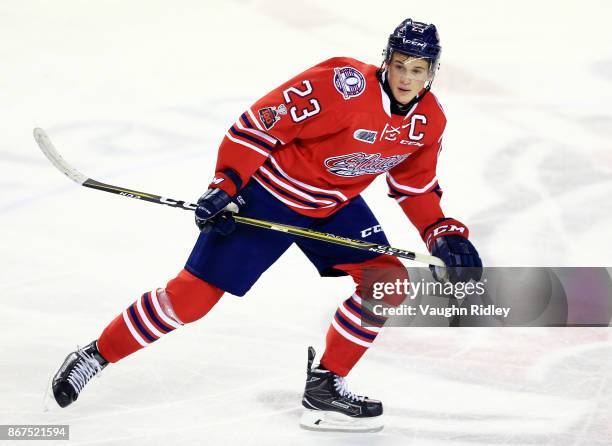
{"type": "Point", "coordinates": [330, 406]}
{"type": "Point", "coordinates": [76, 371]}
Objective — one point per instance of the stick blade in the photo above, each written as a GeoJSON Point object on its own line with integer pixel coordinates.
{"type": "Point", "coordinates": [52, 155]}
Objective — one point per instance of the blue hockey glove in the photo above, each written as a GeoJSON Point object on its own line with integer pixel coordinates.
{"type": "Point", "coordinates": [214, 211]}
{"type": "Point", "coordinates": [447, 239]}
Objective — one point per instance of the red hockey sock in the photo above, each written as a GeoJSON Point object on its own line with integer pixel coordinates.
{"type": "Point", "coordinates": [355, 326]}
{"type": "Point", "coordinates": [185, 299]}
{"type": "Point", "coordinates": [352, 331]}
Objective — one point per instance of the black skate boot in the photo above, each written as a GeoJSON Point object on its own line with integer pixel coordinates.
{"type": "Point", "coordinates": [329, 405]}
{"type": "Point", "coordinates": [76, 371]}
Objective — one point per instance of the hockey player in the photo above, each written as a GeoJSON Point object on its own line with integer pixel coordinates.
{"type": "Point", "coordinates": [301, 155]}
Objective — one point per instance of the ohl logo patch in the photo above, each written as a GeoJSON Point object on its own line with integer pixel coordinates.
{"type": "Point", "coordinates": [364, 135]}
{"type": "Point", "coordinates": [270, 115]}
{"type": "Point", "coordinates": [349, 82]}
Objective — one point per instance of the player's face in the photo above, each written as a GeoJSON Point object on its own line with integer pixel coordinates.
{"type": "Point", "coordinates": [407, 76]}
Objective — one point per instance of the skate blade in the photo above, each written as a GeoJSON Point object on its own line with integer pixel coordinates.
{"type": "Point", "coordinates": [329, 421]}
{"type": "Point", "coordinates": [49, 404]}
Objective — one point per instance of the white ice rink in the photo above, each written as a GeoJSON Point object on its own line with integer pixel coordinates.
{"type": "Point", "coordinates": [139, 94]}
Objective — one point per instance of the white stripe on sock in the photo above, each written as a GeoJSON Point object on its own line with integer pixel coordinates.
{"type": "Point", "coordinates": [133, 330]}
{"type": "Point", "coordinates": [160, 312]}
{"type": "Point", "coordinates": [349, 336]}
{"type": "Point", "coordinates": [146, 320]}
{"type": "Point", "coordinates": [357, 320]}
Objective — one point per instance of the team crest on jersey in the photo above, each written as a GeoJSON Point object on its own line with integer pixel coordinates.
{"type": "Point", "coordinates": [269, 115]}
{"type": "Point", "coordinates": [349, 82]}
{"type": "Point", "coordinates": [359, 163]}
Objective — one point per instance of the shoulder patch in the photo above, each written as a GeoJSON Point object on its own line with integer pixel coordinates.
{"type": "Point", "coordinates": [349, 82]}
{"type": "Point", "coordinates": [269, 115]}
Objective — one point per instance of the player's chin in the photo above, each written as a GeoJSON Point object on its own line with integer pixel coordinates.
{"type": "Point", "coordinates": [404, 97]}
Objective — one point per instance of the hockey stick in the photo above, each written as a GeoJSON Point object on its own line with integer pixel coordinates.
{"type": "Point", "coordinates": [51, 153]}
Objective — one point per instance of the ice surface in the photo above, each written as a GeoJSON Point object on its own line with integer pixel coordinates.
{"type": "Point", "coordinates": [140, 93]}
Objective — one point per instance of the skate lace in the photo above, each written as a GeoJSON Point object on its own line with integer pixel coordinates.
{"type": "Point", "coordinates": [85, 368]}
{"type": "Point", "coordinates": [341, 388]}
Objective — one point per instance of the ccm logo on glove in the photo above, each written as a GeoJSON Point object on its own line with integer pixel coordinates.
{"type": "Point", "coordinates": [446, 227]}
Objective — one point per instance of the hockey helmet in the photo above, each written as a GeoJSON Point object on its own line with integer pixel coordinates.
{"type": "Point", "coordinates": [416, 39]}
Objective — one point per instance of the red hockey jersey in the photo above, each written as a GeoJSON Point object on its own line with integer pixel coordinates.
{"type": "Point", "coordinates": [321, 138]}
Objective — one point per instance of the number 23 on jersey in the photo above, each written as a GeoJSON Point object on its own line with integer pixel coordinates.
{"type": "Point", "coordinates": [305, 113]}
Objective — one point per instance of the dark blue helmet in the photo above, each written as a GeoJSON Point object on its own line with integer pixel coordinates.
{"type": "Point", "coordinates": [415, 39]}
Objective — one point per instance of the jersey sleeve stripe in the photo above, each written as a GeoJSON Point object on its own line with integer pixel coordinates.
{"type": "Point", "coordinates": [393, 192]}
{"type": "Point", "coordinates": [279, 174]}
{"type": "Point", "coordinates": [411, 190]}
{"type": "Point", "coordinates": [438, 190]}
{"type": "Point", "coordinates": [246, 144]}
{"type": "Point", "coordinates": [291, 188]}
{"type": "Point", "coordinates": [400, 197]}
{"type": "Point", "coordinates": [246, 121]}
{"type": "Point", "coordinates": [254, 119]}
{"type": "Point", "coordinates": [249, 112]}
{"type": "Point", "coordinates": [304, 185]}
{"type": "Point", "coordinates": [289, 193]}
{"type": "Point", "coordinates": [239, 134]}
{"type": "Point", "coordinates": [253, 131]}
{"type": "Point", "coordinates": [282, 192]}
{"type": "Point", "coordinates": [284, 200]}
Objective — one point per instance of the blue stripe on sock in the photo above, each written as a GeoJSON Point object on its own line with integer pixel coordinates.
{"type": "Point", "coordinates": [151, 313]}
{"type": "Point", "coordinates": [364, 314]}
{"type": "Point", "coordinates": [142, 330]}
{"type": "Point", "coordinates": [355, 330]}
